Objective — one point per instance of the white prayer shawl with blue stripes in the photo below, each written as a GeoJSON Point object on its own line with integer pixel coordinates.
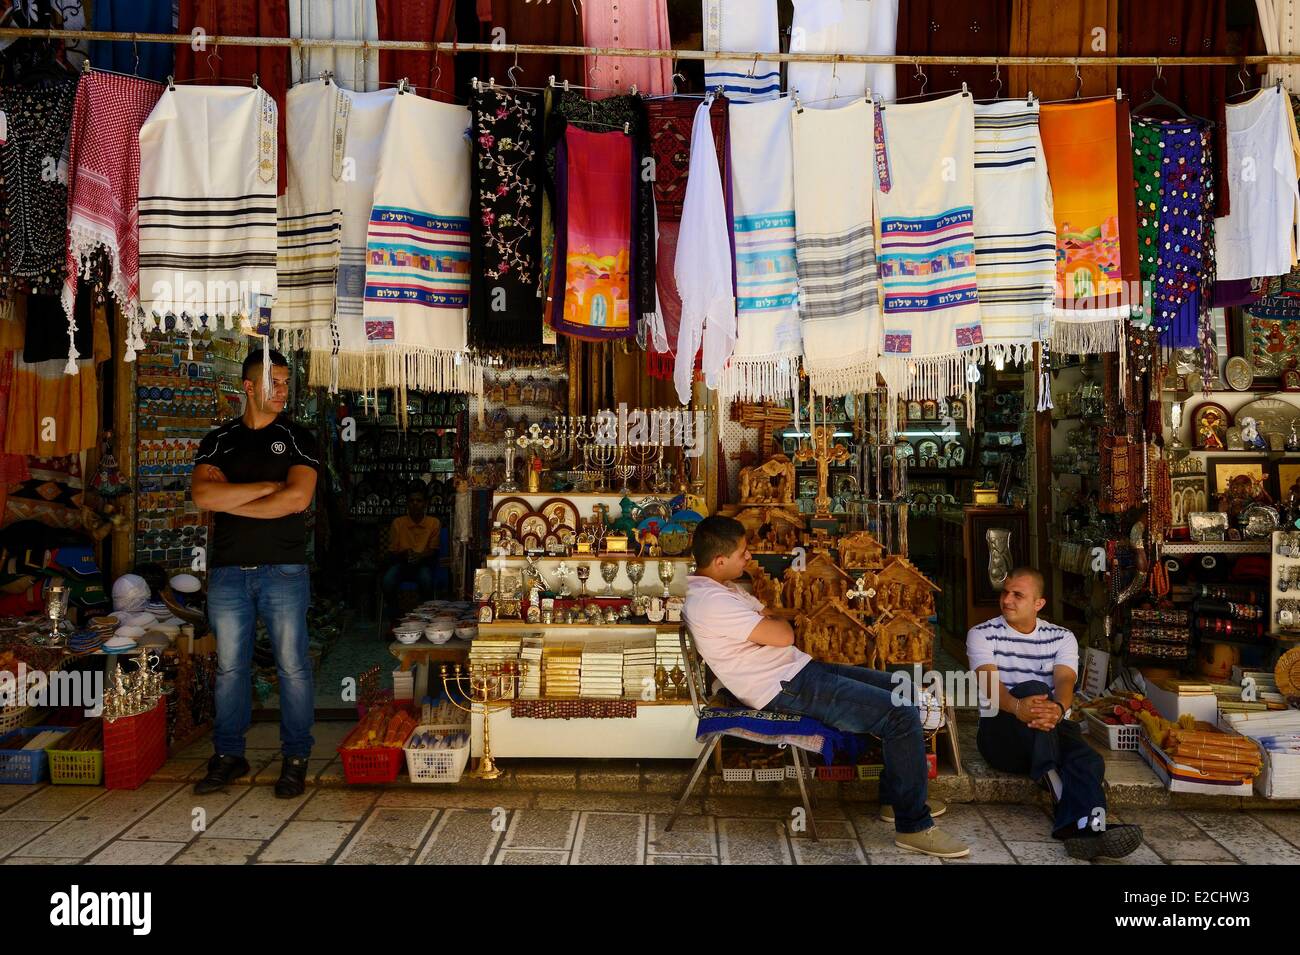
{"type": "Point", "coordinates": [742, 25]}
{"type": "Point", "coordinates": [765, 362]}
{"type": "Point", "coordinates": [1015, 234]}
{"type": "Point", "coordinates": [1021, 657]}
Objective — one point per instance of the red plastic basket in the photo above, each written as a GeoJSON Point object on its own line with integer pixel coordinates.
{"type": "Point", "coordinates": [378, 765]}
{"type": "Point", "coordinates": [836, 773]}
{"type": "Point", "coordinates": [135, 747]}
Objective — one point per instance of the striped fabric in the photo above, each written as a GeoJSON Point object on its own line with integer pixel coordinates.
{"type": "Point", "coordinates": [764, 364]}
{"type": "Point", "coordinates": [208, 204]}
{"type": "Point", "coordinates": [1015, 236]}
{"type": "Point", "coordinates": [835, 248]}
{"type": "Point", "coordinates": [925, 197]}
{"type": "Point", "coordinates": [1018, 656]}
{"type": "Point", "coordinates": [415, 258]}
{"type": "Point", "coordinates": [742, 25]}
{"type": "Point", "coordinates": [311, 217]}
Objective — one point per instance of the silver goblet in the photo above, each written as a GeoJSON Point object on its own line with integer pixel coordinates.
{"type": "Point", "coordinates": [667, 570]}
{"type": "Point", "coordinates": [635, 571]}
{"type": "Point", "coordinates": [608, 573]}
{"type": "Point", "coordinates": [584, 573]}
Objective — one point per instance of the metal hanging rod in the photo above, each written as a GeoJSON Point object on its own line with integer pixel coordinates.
{"type": "Point", "coordinates": [455, 47]}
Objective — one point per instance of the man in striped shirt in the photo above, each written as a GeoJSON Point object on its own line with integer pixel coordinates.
{"type": "Point", "coordinates": [1031, 667]}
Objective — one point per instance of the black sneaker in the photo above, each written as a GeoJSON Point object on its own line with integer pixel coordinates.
{"type": "Point", "coordinates": [1113, 842]}
{"type": "Point", "coordinates": [222, 771]}
{"type": "Point", "coordinates": [293, 777]}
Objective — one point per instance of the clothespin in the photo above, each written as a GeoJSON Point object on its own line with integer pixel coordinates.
{"type": "Point", "coordinates": [85, 65]}
{"type": "Point", "coordinates": [627, 129]}
{"type": "Point", "coordinates": [492, 82]}
{"type": "Point", "coordinates": [1029, 98]}
{"type": "Point", "coordinates": [964, 91]}
{"type": "Point", "coordinates": [474, 84]}
{"type": "Point", "coordinates": [256, 84]}
{"type": "Point", "coordinates": [325, 75]}
{"type": "Point", "coordinates": [798, 107]}
{"type": "Point", "coordinates": [550, 81]}
{"type": "Point", "coordinates": [171, 83]}
{"type": "Point", "coordinates": [403, 85]}
{"type": "Point", "coordinates": [1119, 94]}
{"type": "Point", "coordinates": [633, 93]}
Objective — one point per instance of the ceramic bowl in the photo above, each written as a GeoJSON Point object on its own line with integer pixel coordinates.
{"type": "Point", "coordinates": [407, 636]}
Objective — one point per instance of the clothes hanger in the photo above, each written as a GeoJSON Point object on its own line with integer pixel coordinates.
{"type": "Point", "coordinates": [1158, 99]}
{"type": "Point", "coordinates": [958, 92]}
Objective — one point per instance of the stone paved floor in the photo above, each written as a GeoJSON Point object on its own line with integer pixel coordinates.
{"type": "Point", "coordinates": [164, 823]}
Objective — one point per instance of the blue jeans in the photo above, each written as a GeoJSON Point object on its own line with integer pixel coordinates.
{"type": "Point", "coordinates": [420, 571]}
{"type": "Point", "coordinates": [279, 594]}
{"type": "Point", "coordinates": [858, 700]}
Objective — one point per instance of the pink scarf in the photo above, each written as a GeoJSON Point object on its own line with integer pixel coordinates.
{"type": "Point", "coordinates": [104, 183]}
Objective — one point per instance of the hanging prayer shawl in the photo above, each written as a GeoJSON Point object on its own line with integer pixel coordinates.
{"type": "Point", "coordinates": [742, 25]}
{"type": "Point", "coordinates": [925, 199]}
{"type": "Point", "coordinates": [593, 297]}
{"type": "Point", "coordinates": [353, 67]}
{"type": "Point", "coordinates": [505, 219]}
{"type": "Point", "coordinates": [842, 26]}
{"type": "Point", "coordinates": [366, 120]}
{"type": "Point", "coordinates": [839, 304]}
{"type": "Point", "coordinates": [765, 363]}
{"type": "Point", "coordinates": [207, 205]}
{"type": "Point", "coordinates": [1175, 209]}
{"type": "Point", "coordinates": [417, 257]}
{"type": "Point", "coordinates": [1015, 237]}
{"type": "Point", "coordinates": [311, 219]}
{"type": "Point", "coordinates": [671, 128]}
{"type": "Point", "coordinates": [703, 266]}
{"type": "Point", "coordinates": [1093, 204]}
{"type": "Point", "coordinates": [34, 182]}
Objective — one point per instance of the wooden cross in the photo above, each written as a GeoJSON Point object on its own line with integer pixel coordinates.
{"type": "Point", "coordinates": [823, 452]}
{"type": "Point", "coordinates": [767, 419]}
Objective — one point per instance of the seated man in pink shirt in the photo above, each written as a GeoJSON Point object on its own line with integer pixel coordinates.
{"type": "Point", "coordinates": [754, 656]}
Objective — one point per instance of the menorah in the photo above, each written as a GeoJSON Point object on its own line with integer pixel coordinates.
{"type": "Point", "coordinates": [487, 687]}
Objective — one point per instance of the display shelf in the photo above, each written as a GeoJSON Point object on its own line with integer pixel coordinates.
{"type": "Point", "coordinates": [509, 626]}
{"type": "Point", "coordinates": [1216, 547]}
{"type": "Point", "coordinates": [657, 732]}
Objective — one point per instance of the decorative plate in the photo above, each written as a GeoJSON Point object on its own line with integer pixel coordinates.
{"type": "Point", "coordinates": [652, 507]}
{"type": "Point", "coordinates": [1260, 521]}
{"type": "Point", "coordinates": [511, 511]}
{"type": "Point", "coordinates": [1238, 374]}
{"type": "Point", "coordinates": [674, 539]}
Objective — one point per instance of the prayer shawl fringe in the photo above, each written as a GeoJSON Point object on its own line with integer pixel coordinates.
{"type": "Point", "coordinates": [1089, 338]}
{"type": "Point", "coordinates": [760, 377]}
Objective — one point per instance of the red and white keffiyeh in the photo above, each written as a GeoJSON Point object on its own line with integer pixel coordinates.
{"type": "Point", "coordinates": [103, 184]}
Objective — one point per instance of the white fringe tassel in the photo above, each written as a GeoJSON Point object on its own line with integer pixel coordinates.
{"type": "Point", "coordinates": [853, 376]}
{"type": "Point", "coordinates": [1087, 338]}
{"type": "Point", "coordinates": [760, 377]}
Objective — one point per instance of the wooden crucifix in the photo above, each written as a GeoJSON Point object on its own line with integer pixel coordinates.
{"type": "Point", "coordinates": [821, 450]}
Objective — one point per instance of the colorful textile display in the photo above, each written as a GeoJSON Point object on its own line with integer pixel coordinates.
{"type": "Point", "coordinates": [573, 709]}
{"type": "Point", "coordinates": [53, 492]}
{"type": "Point", "coordinates": [766, 726]}
{"type": "Point", "coordinates": [925, 214]}
{"type": "Point", "coordinates": [34, 241]}
{"type": "Point", "coordinates": [842, 26]}
{"type": "Point", "coordinates": [703, 268]}
{"type": "Point", "coordinates": [353, 68]}
{"type": "Point", "coordinates": [747, 25]}
{"type": "Point", "coordinates": [151, 61]}
{"type": "Point", "coordinates": [207, 206]}
{"type": "Point", "coordinates": [507, 300]}
{"type": "Point", "coordinates": [557, 23]}
{"type": "Point", "coordinates": [592, 294]}
{"type": "Point", "coordinates": [944, 28]}
{"type": "Point", "coordinates": [1175, 202]}
{"type": "Point", "coordinates": [1096, 272]}
{"type": "Point", "coordinates": [42, 393]}
{"type": "Point", "coordinates": [1015, 236]}
{"type": "Point", "coordinates": [765, 362]}
{"type": "Point", "coordinates": [420, 20]}
{"type": "Point", "coordinates": [366, 121]}
{"type": "Point", "coordinates": [417, 257]}
{"type": "Point", "coordinates": [234, 65]}
{"type": "Point", "coordinates": [633, 25]}
{"type": "Point", "coordinates": [839, 305]}
{"type": "Point", "coordinates": [311, 217]}
{"type": "Point", "coordinates": [671, 123]}
{"type": "Point", "coordinates": [1260, 237]}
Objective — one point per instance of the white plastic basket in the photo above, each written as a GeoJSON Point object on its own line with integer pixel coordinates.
{"type": "Point", "coordinates": [1120, 738]}
{"type": "Point", "coordinates": [437, 765]}
{"type": "Point", "coordinates": [738, 774]}
{"type": "Point", "coordinates": [768, 774]}
{"type": "Point", "coordinates": [18, 717]}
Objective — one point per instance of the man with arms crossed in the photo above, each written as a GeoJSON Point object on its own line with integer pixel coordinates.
{"type": "Point", "coordinates": [754, 655]}
{"type": "Point", "coordinates": [258, 473]}
{"type": "Point", "coordinates": [1029, 667]}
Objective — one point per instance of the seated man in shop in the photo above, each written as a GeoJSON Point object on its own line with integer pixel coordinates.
{"type": "Point", "coordinates": [1028, 668]}
{"type": "Point", "coordinates": [754, 655]}
{"type": "Point", "coordinates": [412, 548]}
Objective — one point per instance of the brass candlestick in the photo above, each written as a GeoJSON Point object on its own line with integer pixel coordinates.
{"type": "Point", "coordinates": [487, 687]}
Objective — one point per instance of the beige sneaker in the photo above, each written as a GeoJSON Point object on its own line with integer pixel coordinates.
{"type": "Point", "coordinates": [937, 808]}
{"type": "Point", "coordinates": [932, 842]}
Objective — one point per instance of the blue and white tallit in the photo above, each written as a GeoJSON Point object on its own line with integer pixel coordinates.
{"type": "Point", "coordinates": [416, 299]}
{"type": "Point", "coordinates": [925, 220]}
{"type": "Point", "coordinates": [1015, 234]}
{"type": "Point", "coordinates": [765, 361]}
{"type": "Point", "coordinates": [839, 304]}
{"type": "Point", "coordinates": [750, 26]}
{"type": "Point", "coordinates": [208, 206]}
{"type": "Point", "coordinates": [311, 215]}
